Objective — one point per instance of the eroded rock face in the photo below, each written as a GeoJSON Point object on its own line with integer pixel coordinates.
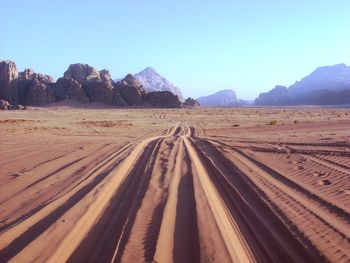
{"type": "Point", "coordinates": [99, 91]}
{"type": "Point", "coordinates": [105, 75]}
{"type": "Point", "coordinates": [35, 88]}
{"type": "Point", "coordinates": [39, 93]}
{"type": "Point", "coordinates": [84, 83]}
{"type": "Point", "coordinates": [131, 90]}
{"type": "Point", "coordinates": [8, 76]}
{"type": "Point", "coordinates": [81, 72]}
{"type": "Point", "coordinates": [80, 82]}
{"type": "Point", "coordinates": [68, 88]}
{"type": "Point", "coordinates": [163, 99]}
{"type": "Point", "coordinates": [118, 99]}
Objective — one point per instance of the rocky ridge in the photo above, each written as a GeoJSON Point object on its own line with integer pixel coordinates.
{"type": "Point", "coordinates": [80, 82]}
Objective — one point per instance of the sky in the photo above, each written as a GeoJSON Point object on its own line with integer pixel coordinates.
{"type": "Point", "coordinates": [201, 46]}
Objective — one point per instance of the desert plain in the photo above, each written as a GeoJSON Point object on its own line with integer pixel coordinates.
{"type": "Point", "coordinates": [82, 184]}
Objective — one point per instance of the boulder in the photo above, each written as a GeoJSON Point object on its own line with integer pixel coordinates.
{"type": "Point", "coordinates": [4, 104]}
{"type": "Point", "coordinates": [131, 90]}
{"type": "Point", "coordinates": [163, 99]}
{"type": "Point", "coordinates": [20, 107]}
{"type": "Point", "coordinates": [190, 102]}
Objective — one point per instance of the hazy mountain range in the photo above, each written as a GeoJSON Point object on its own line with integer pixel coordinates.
{"type": "Point", "coordinates": [329, 85]}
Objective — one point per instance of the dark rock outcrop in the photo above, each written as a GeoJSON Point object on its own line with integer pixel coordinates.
{"type": "Point", "coordinates": [81, 72]}
{"type": "Point", "coordinates": [84, 83]}
{"type": "Point", "coordinates": [118, 99]}
{"type": "Point", "coordinates": [68, 88]}
{"type": "Point", "coordinates": [163, 99]}
{"type": "Point", "coordinates": [99, 91]}
{"type": "Point", "coordinates": [35, 88]}
{"type": "Point", "coordinates": [190, 102]}
{"type": "Point", "coordinates": [80, 82]}
{"type": "Point", "coordinates": [131, 90]}
{"type": "Point", "coordinates": [8, 76]}
{"type": "Point", "coordinates": [26, 87]}
{"type": "Point", "coordinates": [39, 93]}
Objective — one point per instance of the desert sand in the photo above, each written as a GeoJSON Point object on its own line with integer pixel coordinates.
{"type": "Point", "coordinates": [175, 185]}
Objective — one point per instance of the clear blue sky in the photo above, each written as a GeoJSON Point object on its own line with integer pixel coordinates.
{"type": "Point", "coordinates": [201, 46]}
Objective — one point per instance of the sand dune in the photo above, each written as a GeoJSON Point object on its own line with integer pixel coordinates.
{"type": "Point", "coordinates": [205, 185]}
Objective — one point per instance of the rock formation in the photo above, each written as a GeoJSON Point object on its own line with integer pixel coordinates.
{"type": "Point", "coordinates": [68, 88]}
{"type": "Point", "coordinates": [152, 81]}
{"type": "Point", "coordinates": [131, 90]}
{"type": "Point", "coordinates": [80, 82]}
{"type": "Point", "coordinates": [163, 99]}
{"type": "Point", "coordinates": [223, 98]}
{"type": "Point", "coordinates": [8, 76]}
{"type": "Point", "coordinates": [35, 89]}
{"type": "Point", "coordinates": [190, 102]}
{"type": "Point", "coordinates": [328, 85]}
{"type": "Point", "coordinates": [84, 83]}
{"type": "Point", "coordinates": [81, 72]}
{"type": "Point", "coordinates": [26, 87]}
{"type": "Point", "coordinates": [280, 95]}
{"type": "Point", "coordinates": [334, 78]}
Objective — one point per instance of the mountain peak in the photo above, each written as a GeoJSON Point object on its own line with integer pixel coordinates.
{"type": "Point", "coordinates": [148, 70]}
{"type": "Point", "coordinates": [153, 81]}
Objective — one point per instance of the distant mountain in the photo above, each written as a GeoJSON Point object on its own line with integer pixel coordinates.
{"type": "Point", "coordinates": [280, 95]}
{"type": "Point", "coordinates": [324, 86]}
{"type": "Point", "coordinates": [223, 98]}
{"type": "Point", "coordinates": [333, 78]}
{"type": "Point", "coordinates": [152, 81]}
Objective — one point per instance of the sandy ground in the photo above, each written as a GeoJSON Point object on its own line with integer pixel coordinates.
{"type": "Point", "coordinates": [182, 185]}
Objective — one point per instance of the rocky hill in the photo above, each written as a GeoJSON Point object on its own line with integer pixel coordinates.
{"type": "Point", "coordinates": [80, 82]}
{"type": "Point", "coordinates": [223, 98]}
{"type": "Point", "coordinates": [328, 85]}
{"type": "Point", "coordinates": [152, 81]}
